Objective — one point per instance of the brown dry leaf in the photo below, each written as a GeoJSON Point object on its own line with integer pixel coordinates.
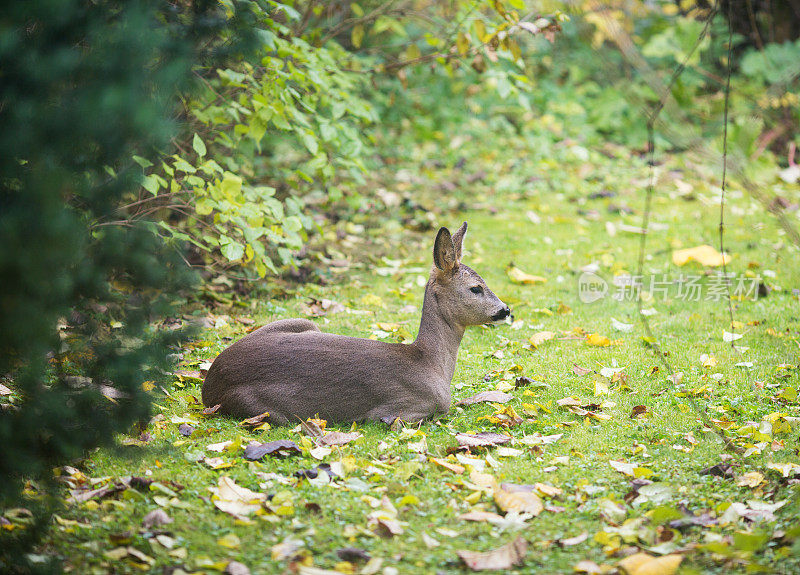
{"type": "Point", "coordinates": [539, 338]}
{"type": "Point", "coordinates": [548, 490]}
{"type": "Point", "coordinates": [481, 479]}
{"type": "Point", "coordinates": [491, 395]}
{"type": "Point", "coordinates": [454, 467]}
{"type": "Point", "coordinates": [505, 557]}
{"type": "Point", "coordinates": [518, 501]}
{"type": "Point", "coordinates": [483, 439]}
{"type": "Point", "coordinates": [570, 541]}
{"type": "Point", "coordinates": [481, 516]}
{"type": "Point", "coordinates": [211, 410]}
{"type": "Point", "coordinates": [339, 438]}
{"type": "Point", "coordinates": [155, 518]}
{"type": "Point", "coordinates": [256, 419]}
{"type": "Point", "coordinates": [705, 255]}
{"type": "Point", "coordinates": [644, 564]}
{"type": "Point", "coordinates": [638, 410]}
{"type": "Point", "coordinates": [518, 276]}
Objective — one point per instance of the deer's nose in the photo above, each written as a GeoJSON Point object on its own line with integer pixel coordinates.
{"type": "Point", "coordinates": [502, 314]}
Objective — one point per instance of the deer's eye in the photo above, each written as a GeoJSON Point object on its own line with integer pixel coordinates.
{"type": "Point", "coordinates": [476, 289]}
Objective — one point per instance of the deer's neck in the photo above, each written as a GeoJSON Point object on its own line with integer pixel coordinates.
{"type": "Point", "coordinates": [438, 338]}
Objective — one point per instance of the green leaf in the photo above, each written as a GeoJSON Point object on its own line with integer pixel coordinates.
{"type": "Point", "coordinates": [310, 142]}
{"type": "Point", "coordinates": [231, 186]}
{"type": "Point", "coordinates": [231, 249]}
{"type": "Point", "coordinates": [199, 146]}
{"type": "Point", "coordinates": [357, 36]}
{"type": "Point", "coordinates": [150, 183]}
{"type": "Point", "coordinates": [144, 162]}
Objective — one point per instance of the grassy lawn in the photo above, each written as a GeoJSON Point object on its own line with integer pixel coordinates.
{"type": "Point", "coordinates": [551, 209]}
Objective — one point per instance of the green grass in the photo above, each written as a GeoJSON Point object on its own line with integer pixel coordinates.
{"type": "Point", "coordinates": [554, 183]}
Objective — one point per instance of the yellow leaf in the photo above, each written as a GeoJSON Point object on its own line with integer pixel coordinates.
{"type": "Point", "coordinates": [357, 35]}
{"type": "Point", "coordinates": [518, 501]}
{"type": "Point", "coordinates": [231, 541]}
{"type": "Point", "coordinates": [454, 467]}
{"type": "Point", "coordinates": [597, 340]}
{"type": "Point", "coordinates": [751, 479]}
{"type": "Point", "coordinates": [644, 564]}
{"type": "Point", "coordinates": [539, 338]}
{"type": "Point", "coordinates": [704, 255]}
{"type": "Point", "coordinates": [518, 276]}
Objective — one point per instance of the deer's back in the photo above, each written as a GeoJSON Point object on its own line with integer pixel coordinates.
{"type": "Point", "coordinates": [303, 374]}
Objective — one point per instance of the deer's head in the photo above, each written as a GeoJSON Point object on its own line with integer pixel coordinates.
{"type": "Point", "coordinates": [462, 295]}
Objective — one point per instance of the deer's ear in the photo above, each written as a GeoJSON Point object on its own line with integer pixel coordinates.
{"type": "Point", "coordinates": [444, 252]}
{"type": "Point", "coordinates": [458, 240]}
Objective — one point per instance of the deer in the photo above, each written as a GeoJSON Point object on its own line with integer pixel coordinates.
{"type": "Point", "coordinates": [292, 370]}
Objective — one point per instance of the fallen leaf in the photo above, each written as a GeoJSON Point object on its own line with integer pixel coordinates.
{"type": "Point", "coordinates": [491, 395]}
{"type": "Point", "coordinates": [581, 371]}
{"type": "Point", "coordinates": [518, 501]}
{"type": "Point", "coordinates": [518, 276]}
{"type": "Point", "coordinates": [751, 479]}
{"type": "Point", "coordinates": [597, 340]}
{"type": "Point", "coordinates": [482, 516]}
{"type": "Point", "coordinates": [236, 500]}
{"type": "Point", "coordinates": [539, 338]}
{"type": "Point", "coordinates": [352, 554]}
{"type": "Point", "coordinates": [236, 568]}
{"type": "Point", "coordinates": [638, 410]}
{"type": "Point", "coordinates": [483, 439]}
{"type": "Point", "coordinates": [286, 549]}
{"type": "Point", "coordinates": [211, 410]}
{"type": "Point", "coordinates": [185, 429]}
{"type": "Point", "coordinates": [729, 336]}
{"type": "Point", "coordinates": [217, 463]}
{"type": "Point", "coordinates": [454, 467]}
{"type": "Point", "coordinates": [705, 255]}
{"type": "Point", "coordinates": [619, 326]}
{"type": "Point", "coordinates": [505, 557]}
{"type": "Point", "coordinates": [644, 564]}
{"type": "Point", "coordinates": [338, 438]}
{"type": "Point", "coordinates": [282, 447]}
{"type": "Point", "coordinates": [256, 419]}
{"type": "Point", "coordinates": [230, 541]}
{"type": "Point", "coordinates": [156, 518]}
{"type": "Point", "coordinates": [571, 541]}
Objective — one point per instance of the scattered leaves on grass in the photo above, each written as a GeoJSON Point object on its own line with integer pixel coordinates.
{"type": "Point", "coordinates": [505, 557]}
{"type": "Point", "coordinates": [490, 396]}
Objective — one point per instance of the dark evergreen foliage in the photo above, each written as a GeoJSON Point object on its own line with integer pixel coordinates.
{"type": "Point", "coordinates": [84, 85]}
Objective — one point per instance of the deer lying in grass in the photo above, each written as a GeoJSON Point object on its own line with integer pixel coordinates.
{"type": "Point", "coordinates": [292, 370]}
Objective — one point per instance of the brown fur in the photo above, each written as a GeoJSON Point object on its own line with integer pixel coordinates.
{"type": "Point", "coordinates": [292, 370]}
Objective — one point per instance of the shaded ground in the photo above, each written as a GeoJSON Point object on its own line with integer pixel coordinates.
{"type": "Point", "coordinates": [551, 209]}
